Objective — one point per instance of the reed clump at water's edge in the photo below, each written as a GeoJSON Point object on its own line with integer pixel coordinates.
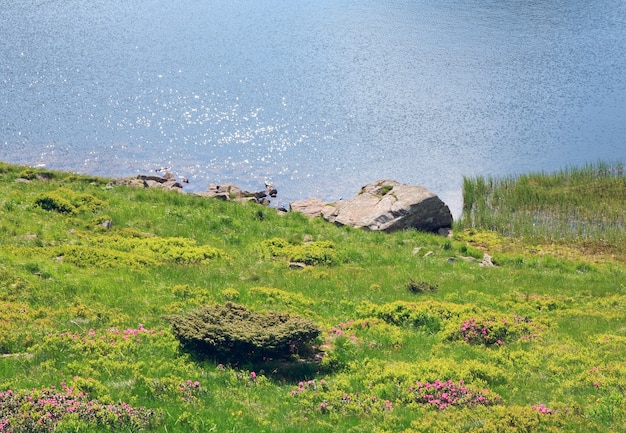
{"type": "Point", "coordinates": [585, 206]}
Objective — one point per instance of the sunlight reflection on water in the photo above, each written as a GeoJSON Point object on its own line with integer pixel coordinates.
{"type": "Point", "coordinates": [319, 98]}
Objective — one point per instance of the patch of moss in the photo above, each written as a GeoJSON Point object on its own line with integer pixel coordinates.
{"type": "Point", "coordinates": [385, 189]}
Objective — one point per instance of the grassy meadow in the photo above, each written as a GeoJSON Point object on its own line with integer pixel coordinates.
{"type": "Point", "coordinates": [417, 336]}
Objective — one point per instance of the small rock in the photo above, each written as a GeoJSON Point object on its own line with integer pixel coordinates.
{"type": "Point", "coordinates": [486, 262]}
{"type": "Point", "coordinates": [468, 259]}
{"type": "Point", "coordinates": [446, 232]}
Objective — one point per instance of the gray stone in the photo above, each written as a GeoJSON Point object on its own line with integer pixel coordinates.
{"type": "Point", "coordinates": [486, 262]}
{"type": "Point", "coordinates": [311, 207]}
{"type": "Point", "coordinates": [387, 205]}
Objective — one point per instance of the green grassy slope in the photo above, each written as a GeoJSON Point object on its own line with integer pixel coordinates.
{"type": "Point", "coordinates": [417, 336]}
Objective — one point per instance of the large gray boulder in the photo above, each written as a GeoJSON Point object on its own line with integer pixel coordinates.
{"type": "Point", "coordinates": [387, 205]}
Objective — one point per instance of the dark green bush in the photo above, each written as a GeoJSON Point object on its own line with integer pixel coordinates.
{"type": "Point", "coordinates": [232, 333]}
{"type": "Point", "coordinates": [420, 286]}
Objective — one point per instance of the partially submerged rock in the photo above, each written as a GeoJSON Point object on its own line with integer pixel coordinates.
{"type": "Point", "coordinates": [385, 205]}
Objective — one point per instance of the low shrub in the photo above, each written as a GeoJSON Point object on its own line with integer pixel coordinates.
{"type": "Point", "coordinates": [19, 326]}
{"type": "Point", "coordinates": [86, 256]}
{"type": "Point", "coordinates": [67, 409]}
{"type": "Point", "coordinates": [313, 253]}
{"type": "Point", "coordinates": [232, 333]}
{"type": "Point", "coordinates": [117, 250]}
{"type": "Point", "coordinates": [428, 315]}
{"type": "Point", "coordinates": [67, 201]}
{"type": "Point", "coordinates": [489, 330]}
{"type": "Point", "coordinates": [420, 286]}
{"type": "Point", "coordinates": [441, 395]}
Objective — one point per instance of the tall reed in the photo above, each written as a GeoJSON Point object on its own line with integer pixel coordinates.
{"type": "Point", "coordinates": [583, 205]}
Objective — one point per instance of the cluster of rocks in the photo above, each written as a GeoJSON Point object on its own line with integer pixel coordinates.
{"type": "Point", "coordinates": [231, 192]}
{"type": "Point", "coordinates": [226, 191]}
{"type": "Point", "coordinates": [167, 181]}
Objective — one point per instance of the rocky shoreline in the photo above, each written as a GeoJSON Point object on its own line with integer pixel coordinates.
{"type": "Point", "coordinates": [384, 205]}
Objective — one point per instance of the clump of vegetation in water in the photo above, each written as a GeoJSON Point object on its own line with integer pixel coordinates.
{"type": "Point", "coordinates": [581, 205]}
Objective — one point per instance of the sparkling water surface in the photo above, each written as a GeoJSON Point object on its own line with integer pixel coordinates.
{"type": "Point", "coordinates": [318, 98]}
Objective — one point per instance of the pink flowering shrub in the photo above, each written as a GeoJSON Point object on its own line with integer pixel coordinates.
{"type": "Point", "coordinates": [441, 395]}
{"type": "Point", "coordinates": [346, 329]}
{"type": "Point", "coordinates": [43, 410]}
{"type": "Point", "coordinates": [189, 391]}
{"type": "Point", "coordinates": [97, 344]}
{"type": "Point", "coordinates": [541, 408]}
{"type": "Point", "coordinates": [490, 330]}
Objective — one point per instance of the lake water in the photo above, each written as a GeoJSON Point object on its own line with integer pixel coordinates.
{"type": "Point", "coordinates": [318, 97]}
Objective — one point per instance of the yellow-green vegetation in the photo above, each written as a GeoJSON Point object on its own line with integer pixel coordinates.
{"type": "Point", "coordinates": [128, 309]}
